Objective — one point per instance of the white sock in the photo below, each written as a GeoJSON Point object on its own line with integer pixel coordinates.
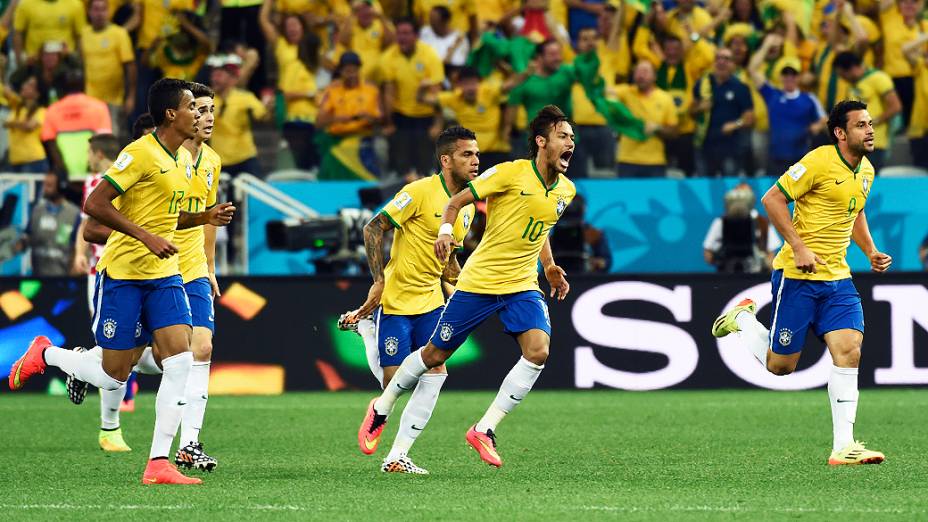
{"type": "Point", "coordinates": [147, 364]}
{"type": "Point", "coordinates": [85, 366]}
{"type": "Point", "coordinates": [843, 394]}
{"type": "Point", "coordinates": [405, 379]}
{"type": "Point", "coordinates": [169, 403]}
{"type": "Point", "coordinates": [369, 334]}
{"type": "Point", "coordinates": [417, 413]}
{"type": "Point", "coordinates": [110, 400]}
{"type": "Point", "coordinates": [754, 335]}
{"type": "Point", "coordinates": [197, 394]}
{"type": "Point", "coordinates": [515, 387]}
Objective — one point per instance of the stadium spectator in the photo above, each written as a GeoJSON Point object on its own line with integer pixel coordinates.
{"type": "Point", "coordinates": [50, 233]}
{"type": "Point", "coordinates": [875, 88]}
{"type": "Point", "coordinates": [298, 85]}
{"type": "Point", "coordinates": [53, 61]}
{"type": "Point", "coordinates": [38, 21]}
{"type": "Point", "coordinates": [69, 123]}
{"type": "Point", "coordinates": [841, 31]}
{"type": "Point", "coordinates": [901, 22]}
{"type": "Point", "coordinates": [546, 81]}
{"type": "Point", "coordinates": [677, 78]}
{"type": "Point", "coordinates": [724, 112]}
{"type": "Point", "coordinates": [463, 14]}
{"type": "Point", "coordinates": [408, 67]}
{"type": "Point", "coordinates": [240, 20]}
{"type": "Point", "coordinates": [741, 240]}
{"type": "Point", "coordinates": [109, 64]}
{"type": "Point", "coordinates": [249, 60]}
{"type": "Point", "coordinates": [582, 14]}
{"type": "Point", "coordinates": [795, 116]}
{"type": "Point", "coordinates": [236, 110]}
{"type": "Point", "coordinates": [598, 139]}
{"type": "Point", "coordinates": [690, 21]}
{"type": "Point", "coordinates": [655, 106]}
{"type": "Point", "coordinates": [284, 39]}
{"type": "Point", "coordinates": [475, 105]}
{"type": "Point", "coordinates": [917, 54]}
{"type": "Point", "coordinates": [450, 45]}
{"type": "Point", "coordinates": [367, 32]}
{"type": "Point", "coordinates": [25, 125]}
{"type": "Point", "coordinates": [538, 21]}
{"type": "Point", "coordinates": [182, 53]}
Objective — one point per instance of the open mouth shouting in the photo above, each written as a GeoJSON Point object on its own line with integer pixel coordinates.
{"type": "Point", "coordinates": [564, 160]}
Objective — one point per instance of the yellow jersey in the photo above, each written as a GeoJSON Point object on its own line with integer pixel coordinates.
{"type": "Point", "coordinates": [300, 80]}
{"type": "Point", "coordinates": [828, 194]}
{"type": "Point", "coordinates": [521, 211]}
{"type": "Point", "coordinates": [896, 34]}
{"type": "Point", "coordinates": [484, 116]}
{"type": "Point", "coordinates": [919, 121]}
{"type": "Point", "coordinates": [49, 20]}
{"type": "Point", "coordinates": [870, 89]}
{"type": "Point", "coordinates": [408, 73]}
{"type": "Point", "coordinates": [153, 184]}
{"type": "Point", "coordinates": [656, 106]}
{"type": "Point", "coordinates": [367, 43]}
{"type": "Point", "coordinates": [105, 54]}
{"type": "Point", "coordinates": [158, 20]}
{"type": "Point", "coordinates": [413, 275]}
{"type": "Point", "coordinates": [202, 196]}
{"type": "Point", "coordinates": [26, 146]}
{"type": "Point", "coordinates": [285, 53]}
{"type": "Point", "coordinates": [232, 137]}
{"type": "Point", "coordinates": [697, 19]}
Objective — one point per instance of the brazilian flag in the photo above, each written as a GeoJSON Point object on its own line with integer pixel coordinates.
{"type": "Point", "coordinates": [618, 117]}
{"type": "Point", "coordinates": [493, 48]}
{"type": "Point", "coordinates": [346, 157]}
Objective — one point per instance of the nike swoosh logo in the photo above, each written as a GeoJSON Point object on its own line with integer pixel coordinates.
{"type": "Point", "coordinates": [840, 401]}
{"type": "Point", "coordinates": [151, 481]}
{"type": "Point", "coordinates": [417, 428]}
{"type": "Point", "coordinates": [438, 215]}
{"type": "Point", "coordinates": [400, 386]}
{"type": "Point", "coordinates": [181, 403]}
{"type": "Point", "coordinates": [488, 449]}
{"type": "Point", "coordinates": [517, 399]}
{"type": "Point", "coordinates": [840, 182]}
{"type": "Point", "coordinates": [16, 383]}
{"type": "Point", "coordinates": [370, 443]}
{"type": "Point", "coordinates": [164, 170]}
{"type": "Point", "coordinates": [524, 194]}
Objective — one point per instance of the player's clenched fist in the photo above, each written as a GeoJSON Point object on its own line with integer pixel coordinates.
{"type": "Point", "coordinates": [443, 247]}
{"type": "Point", "coordinates": [159, 246]}
{"type": "Point", "coordinates": [879, 262]}
{"type": "Point", "coordinates": [221, 215]}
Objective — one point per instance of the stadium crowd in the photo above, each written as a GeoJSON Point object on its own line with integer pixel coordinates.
{"type": "Point", "coordinates": [725, 87]}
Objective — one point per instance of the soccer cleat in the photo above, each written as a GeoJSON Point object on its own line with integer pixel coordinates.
{"type": "Point", "coordinates": [345, 326]}
{"type": "Point", "coordinates": [485, 444]}
{"type": "Point", "coordinates": [31, 363]}
{"type": "Point", "coordinates": [160, 471]}
{"type": "Point", "coordinates": [855, 453]}
{"type": "Point", "coordinates": [403, 464]}
{"type": "Point", "coordinates": [726, 324]}
{"type": "Point", "coordinates": [112, 441]}
{"type": "Point", "coordinates": [77, 389]}
{"type": "Point", "coordinates": [193, 456]}
{"type": "Point", "coordinates": [371, 429]}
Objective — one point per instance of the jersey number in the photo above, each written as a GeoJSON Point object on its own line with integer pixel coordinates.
{"type": "Point", "coordinates": [176, 199]}
{"type": "Point", "coordinates": [851, 205]}
{"type": "Point", "coordinates": [533, 229]}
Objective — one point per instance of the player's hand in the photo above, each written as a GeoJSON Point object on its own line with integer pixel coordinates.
{"type": "Point", "coordinates": [557, 278]}
{"type": "Point", "coordinates": [159, 246]}
{"type": "Point", "coordinates": [214, 285]}
{"type": "Point", "coordinates": [81, 266]}
{"type": "Point", "coordinates": [879, 262]}
{"type": "Point", "coordinates": [221, 214]}
{"type": "Point", "coordinates": [443, 246]}
{"type": "Point", "coordinates": [806, 260]}
{"type": "Point", "coordinates": [372, 302]}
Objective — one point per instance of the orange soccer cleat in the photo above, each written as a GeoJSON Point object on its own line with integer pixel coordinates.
{"type": "Point", "coordinates": [31, 363]}
{"type": "Point", "coordinates": [161, 471]}
{"type": "Point", "coordinates": [371, 429]}
{"type": "Point", "coordinates": [485, 444]}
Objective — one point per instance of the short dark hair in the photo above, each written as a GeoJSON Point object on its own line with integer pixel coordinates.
{"type": "Point", "coordinates": [106, 143]}
{"type": "Point", "coordinates": [407, 20]}
{"type": "Point", "coordinates": [837, 119]}
{"type": "Point", "coordinates": [443, 12]}
{"type": "Point", "coordinates": [847, 60]}
{"type": "Point", "coordinates": [142, 124]}
{"type": "Point", "coordinates": [546, 119]}
{"type": "Point", "coordinates": [467, 72]}
{"type": "Point", "coordinates": [540, 48]}
{"type": "Point", "coordinates": [201, 91]}
{"type": "Point", "coordinates": [448, 140]}
{"type": "Point", "coordinates": [165, 94]}
{"type": "Point", "coordinates": [70, 80]}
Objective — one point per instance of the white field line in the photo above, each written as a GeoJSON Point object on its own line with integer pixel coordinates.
{"type": "Point", "coordinates": [747, 509]}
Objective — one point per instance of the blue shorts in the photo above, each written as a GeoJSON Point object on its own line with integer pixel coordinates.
{"type": "Point", "coordinates": [825, 305]}
{"type": "Point", "coordinates": [200, 295]}
{"type": "Point", "coordinates": [400, 335]}
{"type": "Point", "coordinates": [464, 312]}
{"type": "Point", "coordinates": [126, 311]}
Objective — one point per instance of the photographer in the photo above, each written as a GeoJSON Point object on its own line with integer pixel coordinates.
{"type": "Point", "coordinates": [741, 241]}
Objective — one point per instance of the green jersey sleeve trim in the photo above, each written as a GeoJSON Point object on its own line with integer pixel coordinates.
{"type": "Point", "coordinates": [473, 190]}
{"type": "Point", "coordinates": [390, 218]}
{"type": "Point", "coordinates": [114, 184]}
{"type": "Point", "coordinates": [789, 199]}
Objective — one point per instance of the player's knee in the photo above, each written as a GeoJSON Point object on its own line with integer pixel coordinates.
{"type": "Point", "coordinates": [537, 354]}
{"type": "Point", "coordinates": [440, 369]}
{"type": "Point", "coordinates": [849, 358]}
{"type": "Point", "coordinates": [202, 350]}
{"type": "Point", "coordinates": [780, 368]}
{"type": "Point", "coordinates": [433, 356]}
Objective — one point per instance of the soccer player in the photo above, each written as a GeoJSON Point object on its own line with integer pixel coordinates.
{"type": "Point", "coordinates": [811, 281]}
{"type": "Point", "coordinates": [407, 295]}
{"type": "Point", "coordinates": [139, 288]}
{"type": "Point", "coordinates": [525, 198]}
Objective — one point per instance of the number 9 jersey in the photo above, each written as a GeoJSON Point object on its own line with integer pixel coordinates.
{"type": "Point", "coordinates": [521, 211]}
{"type": "Point", "coordinates": [152, 183]}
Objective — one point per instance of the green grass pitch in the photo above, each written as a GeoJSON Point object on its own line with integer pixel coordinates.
{"type": "Point", "coordinates": [597, 455]}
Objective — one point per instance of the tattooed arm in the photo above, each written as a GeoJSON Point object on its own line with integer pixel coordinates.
{"type": "Point", "coordinates": [373, 243]}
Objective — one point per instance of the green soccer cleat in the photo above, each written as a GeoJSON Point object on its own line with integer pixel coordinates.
{"type": "Point", "coordinates": [726, 324]}
{"type": "Point", "coordinates": [112, 441]}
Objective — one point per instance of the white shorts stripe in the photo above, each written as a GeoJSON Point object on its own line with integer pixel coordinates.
{"type": "Point", "coordinates": [96, 309]}
{"type": "Point", "coordinates": [776, 310]}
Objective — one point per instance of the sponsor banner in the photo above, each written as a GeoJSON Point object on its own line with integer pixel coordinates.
{"type": "Point", "coordinates": [633, 333]}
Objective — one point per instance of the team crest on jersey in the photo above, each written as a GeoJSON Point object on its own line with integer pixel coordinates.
{"type": "Point", "coordinates": [866, 187]}
{"type": "Point", "coordinates": [786, 336]}
{"type": "Point", "coordinates": [189, 170]}
{"type": "Point", "coordinates": [390, 345]}
{"type": "Point", "coordinates": [466, 221]}
{"type": "Point", "coordinates": [123, 161]}
{"type": "Point", "coordinates": [561, 206]}
{"type": "Point", "coordinates": [209, 178]}
{"type": "Point", "coordinates": [420, 67]}
{"type": "Point", "coordinates": [445, 331]}
{"type": "Point", "coordinates": [109, 328]}
{"type": "Point", "coordinates": [138, 330]}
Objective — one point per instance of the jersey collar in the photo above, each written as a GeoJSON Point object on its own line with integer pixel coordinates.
{"type": "Point", "coordinates": [846, 164]}
{"type": "Point", "coordinates": [443, 184]}
{"type": "Point", "coordinates": [173, 156]}
{"type": "Point", "coordinates": [542, 180]}
{"type": "Point", "coordinates": [199, 158]}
